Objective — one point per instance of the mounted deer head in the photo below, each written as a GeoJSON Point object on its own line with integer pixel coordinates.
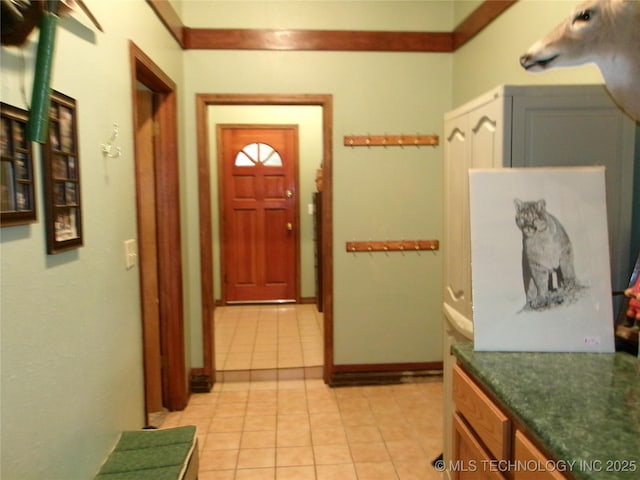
{"type": "Point", "coordinates": [604, 32]}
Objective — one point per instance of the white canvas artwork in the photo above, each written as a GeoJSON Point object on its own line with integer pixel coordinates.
{"type": "Point", "coordinates": [540, 260]}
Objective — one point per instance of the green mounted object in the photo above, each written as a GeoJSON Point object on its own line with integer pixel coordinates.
{"type": "Point", "coordinates": [41, 95]}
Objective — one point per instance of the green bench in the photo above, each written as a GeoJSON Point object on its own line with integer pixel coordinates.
{"type": "Point", "coordinates": [164, 454]}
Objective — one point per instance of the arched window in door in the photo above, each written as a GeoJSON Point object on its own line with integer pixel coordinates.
{"type": "Point", "coordinates": [258, 153]}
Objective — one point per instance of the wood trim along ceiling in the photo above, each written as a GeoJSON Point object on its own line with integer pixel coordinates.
{"type": "Point", "coordinates": [316, 40]}
{"type": "Point", "coordinates": [328, 40]}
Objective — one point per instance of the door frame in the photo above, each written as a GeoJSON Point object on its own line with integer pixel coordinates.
{"type": "Point", "coordinates": [146, 72]}
{"type": "Point", "coordinates": [221, 200]}
{"type": "Point", "coordinates": [203, 101]}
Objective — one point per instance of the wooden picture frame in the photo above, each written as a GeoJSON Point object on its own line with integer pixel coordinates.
{"type": "Point", "coordinates": [61, 173]}
{"type": "Point", "coordinates": [17, 186]}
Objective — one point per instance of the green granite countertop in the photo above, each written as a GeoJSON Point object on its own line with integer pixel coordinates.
{"type": "Point", "coordinates": [584, 407]}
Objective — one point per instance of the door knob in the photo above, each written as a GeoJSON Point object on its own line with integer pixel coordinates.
{"type": "Point", "coordinates": [288, 193]}
{"type": "Point", "coordinates": [289, 226]}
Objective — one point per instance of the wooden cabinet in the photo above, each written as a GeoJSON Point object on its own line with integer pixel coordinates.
{"type": "Point", "coordinates": [526, 453]}
{"type": "Point", "coordinates": [472, 460]}
{"type": "Point", "coordinates": [530, 126]}
{"type": "Point", "coordinates": [535, 126]}
{"type": "Point", "coordinates": [484, 446]}
{"type": "Point", "coordinates": [482, 414]}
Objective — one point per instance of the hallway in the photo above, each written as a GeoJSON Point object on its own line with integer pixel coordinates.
{"type": "Point", "coordinates": [268, 342]}
{"type": "Point", "coordinates": [305, 430]}
{"type": "Point", "coordinates": [270, 415]}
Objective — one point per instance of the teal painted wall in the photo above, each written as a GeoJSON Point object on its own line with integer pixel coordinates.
{"type": "Point", "coordinates": [378, 193]}
{"type": "Point", "coordinates": [386, 308]}
{"type": "Point", "coordinates": [71, 356]}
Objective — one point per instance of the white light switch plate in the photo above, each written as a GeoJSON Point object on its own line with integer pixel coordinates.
{"type": "Point", "coordinates": [130, 253]}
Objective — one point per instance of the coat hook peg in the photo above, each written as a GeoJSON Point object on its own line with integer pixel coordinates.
{"type": "Point", "coordinates": [368, 141]}
{"type": "Point", "coordinates": [108, 148]}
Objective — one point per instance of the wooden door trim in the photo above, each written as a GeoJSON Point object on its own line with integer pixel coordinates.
{"type": "Point", "coordinates": [203, 101]}
{"type": "Point", "coordinates": [145, 71]}
{"type": "Point", "coordinates": [220, 167]}
{"type": "Point", "coordinates": [147, 246]}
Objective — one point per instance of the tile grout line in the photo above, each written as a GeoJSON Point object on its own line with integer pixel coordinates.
{"type": "Point", "coordinates": [307, 361]}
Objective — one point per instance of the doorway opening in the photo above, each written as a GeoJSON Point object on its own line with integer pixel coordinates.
{"type": "Point", "coordinates": [159, 252]}
{"type": "Point", "coordinates": [207, 266]}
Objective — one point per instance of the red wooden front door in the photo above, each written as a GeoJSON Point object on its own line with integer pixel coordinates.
{"type": "Point", "coordinates": [259, 212]}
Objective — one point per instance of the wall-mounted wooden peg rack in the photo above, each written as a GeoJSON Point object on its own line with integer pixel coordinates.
{"type": "Point", "coordinates": [393, 246]}
{"type": "Point", "coordinates": [391, 140]}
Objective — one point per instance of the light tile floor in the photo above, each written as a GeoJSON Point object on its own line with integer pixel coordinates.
{"type": "Point", "coordinates": [270, 417]}
{"type": "Point", "coordinates": [305, 430]}
{"type": "Point", "coordinates": [267, 342]}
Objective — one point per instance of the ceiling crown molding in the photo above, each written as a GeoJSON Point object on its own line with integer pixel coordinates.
{"type": "Point", "coordinates": [328, 40]}
{"type": "Point", "coordinates": [316, 40]}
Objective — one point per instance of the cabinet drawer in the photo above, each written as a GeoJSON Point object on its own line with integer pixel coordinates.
{"type": "Point", "coordinates": [526, 454]}
{"type": "Point", "coordinates": [472, 461]}
{"type": "Point", "coordinates": [488, 421]}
